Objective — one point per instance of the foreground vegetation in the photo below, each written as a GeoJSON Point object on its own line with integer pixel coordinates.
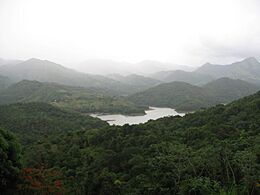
{"type": "Point", "coordinates": [215, 151]}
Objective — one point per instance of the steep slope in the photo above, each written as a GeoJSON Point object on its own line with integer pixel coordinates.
{"type": "Point", "coordinates": [179, 75]}
{"type": "Point", "coordinates": [247, 69]}
{"type": "Point", "coordinates": [46, 71]}
{"type": "Point", "coordinates": [186, 97]}
{"type": "Point", "coordinates": [87, 100]}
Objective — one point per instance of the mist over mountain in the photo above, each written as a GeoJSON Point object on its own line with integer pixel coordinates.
{"type": "Point", "coordinates": [106, 67]}
{"type": "Point", "coordinates": [247, 69]}
{"type": "Point", "coordinates": [9, 62]}
{"type": "Point", "coordinates": [4, 82]}
{"type": "Point", "coordinates": [135, 80]}
{"type": "Point", "coordinates": [47, 71]}
{"type": "Point", "coordinates": [183, 76]}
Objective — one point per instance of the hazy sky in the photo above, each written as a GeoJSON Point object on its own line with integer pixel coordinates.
{"type": "Point", "coordinates": [187, 32]}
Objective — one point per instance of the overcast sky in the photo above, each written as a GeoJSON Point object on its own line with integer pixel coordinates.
{"type": "Point", "coordinates": [189, 32]}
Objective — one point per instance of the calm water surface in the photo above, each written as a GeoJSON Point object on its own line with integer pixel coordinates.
{"type": "Point", "coordinates": [152, 113]}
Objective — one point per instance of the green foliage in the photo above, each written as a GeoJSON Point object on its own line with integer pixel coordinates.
{"type": "Point", "coordinates": [226, 90]}
{"type": "Point", "coordinates": [215, 151]}
{"type": "Point", "coordinates": [80, 99]}
{"type": "Point", "coordinates": [186, 97]}
{"type": "Point", "coordinates": [10, 163]}
{"type": "Point", "coordinates": [32, 121]}
{"type": "Point", "coordinates": [179, 95]}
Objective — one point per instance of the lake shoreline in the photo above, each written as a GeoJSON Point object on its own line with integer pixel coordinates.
{"type": "Point", "coordinates": [152, 113]}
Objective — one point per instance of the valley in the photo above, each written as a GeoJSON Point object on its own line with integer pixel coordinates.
{"type": "Point", "coordinates": [133, 134]}
{"type": "Point", "coordinates": [152, 113]}
{"type": "Point", "coordinates": [129, 97]}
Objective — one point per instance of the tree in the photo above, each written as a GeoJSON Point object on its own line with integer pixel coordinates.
{"type": "Point", "coordinates": [10, 163]}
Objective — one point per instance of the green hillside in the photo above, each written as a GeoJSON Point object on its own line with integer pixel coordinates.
{"type": "Point", "coordinates": [34, 120]}
{"type": "Point", "coordinates": [225, 90]}
{"type": "Point", "coordinates": [179, 95]}
{"type": "Point", "coordinates": [80, 99]}
{"type": "Point", "coordinates": [215, 151]}
{"type": "Point", "coordinates": [186, 97]}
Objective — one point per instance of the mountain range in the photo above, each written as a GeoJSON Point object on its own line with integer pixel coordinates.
{"type": "Point", "coordinates": [146, 67]}
{"type": "Point", "coordinates": [183, 76]}
{"type": "Point", "coordinates": [47, 71]}
{"type": "Point", "coordinates": [119, 85]}
{"type": "Point", "coordinates": [138, 81]}
{"type": "Point", "coordinates": [247, 70]}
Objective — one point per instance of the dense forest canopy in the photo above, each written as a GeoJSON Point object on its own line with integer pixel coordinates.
{"type": "Point", "coordinates": [10, 160]}
{"type": "Point", "coordinates": [207, 152]}
{"type": "Point", "coordinates": [30, 121]}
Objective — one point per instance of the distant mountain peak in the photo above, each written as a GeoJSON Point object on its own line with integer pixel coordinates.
{"type": "Point", "coordinates": [207, 64]}
{"type": "Point", "coordinates": [34, 60]}
{"type": "Point", "coordinates": [251, 60]}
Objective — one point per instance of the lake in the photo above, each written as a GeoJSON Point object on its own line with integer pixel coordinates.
{"type": "Point", "coordinates": [152, 113]}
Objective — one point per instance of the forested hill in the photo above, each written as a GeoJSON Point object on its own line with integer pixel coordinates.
{"type": "Point", "coordinates": [85, 100]}
{"type": "Point", "coordinates": [186, 97]}
{"type": "Point", "coordinates": [224, 90]}
{"type": "Point", "coordinates": [31, 121]}
{"type": "Point", "coordinates": [177, 95]}
{"type": "Point", "coordinates": [215, 151]}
